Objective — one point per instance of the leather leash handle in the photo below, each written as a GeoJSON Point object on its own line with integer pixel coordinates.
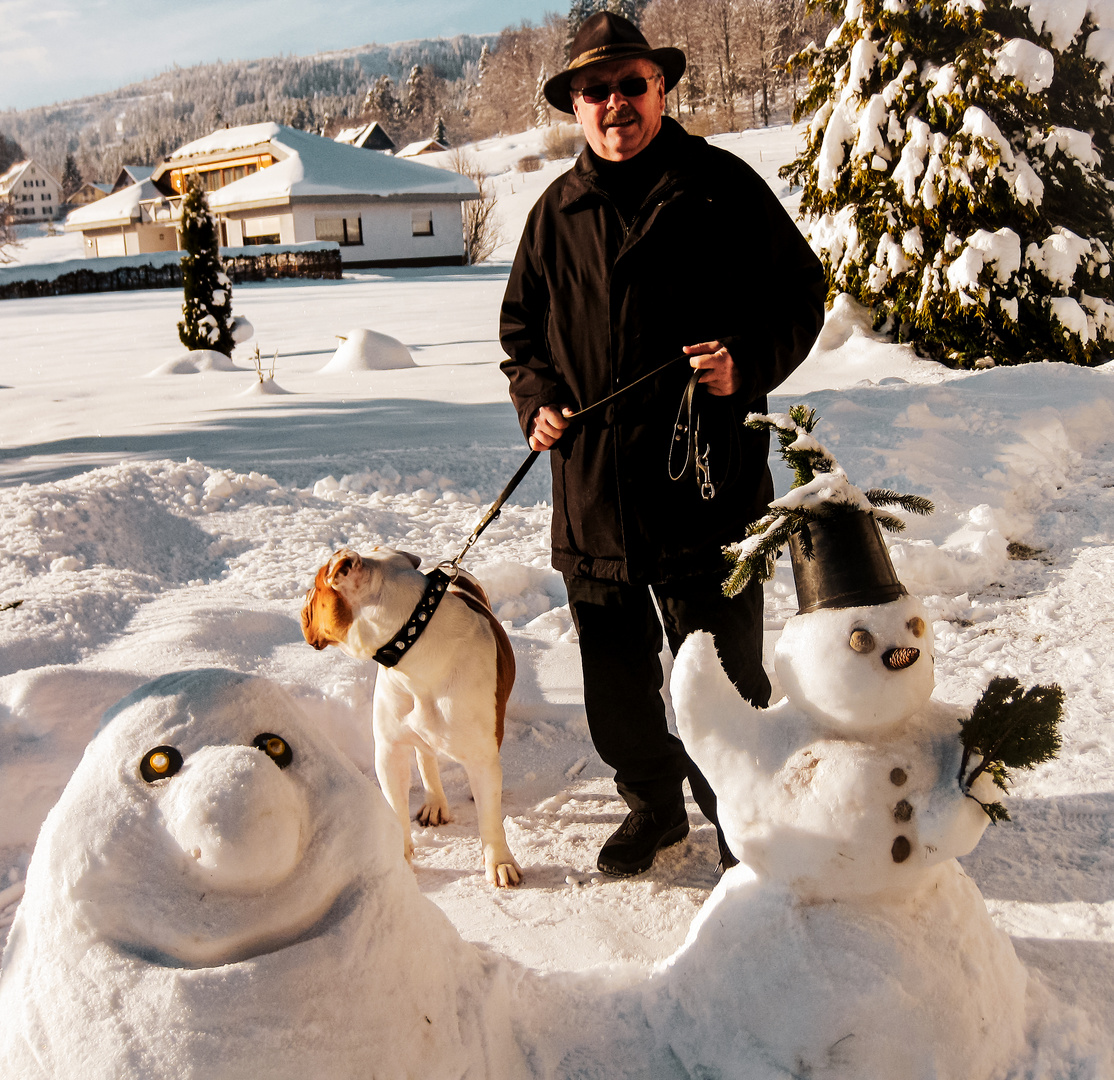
{"type": "Point", "coordinates": [684, 433]}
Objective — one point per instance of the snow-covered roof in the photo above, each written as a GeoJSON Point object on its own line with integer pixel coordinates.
{"type": "Point", "coordinates": [422, 146]}
{"type": "Point", "coordinates": [132, 174]}
{"type": "Point", "coordinates": [312, 166]}
{"type": "Point", "coordinates": [225, 139]}
{"type": "Point", "coordinates": [116, 209]}
{"type": "Point", "coordinates": [367, 137]}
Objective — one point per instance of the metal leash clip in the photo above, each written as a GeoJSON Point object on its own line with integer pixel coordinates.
{"type": "Point", "coordinates": [704, 469]}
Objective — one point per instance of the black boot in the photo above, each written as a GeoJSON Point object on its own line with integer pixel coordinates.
{"type": "Point", "coordinates": [631, 848]}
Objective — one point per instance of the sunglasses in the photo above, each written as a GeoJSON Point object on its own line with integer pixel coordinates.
{"type": "Point", "coordinates": [598, 93]}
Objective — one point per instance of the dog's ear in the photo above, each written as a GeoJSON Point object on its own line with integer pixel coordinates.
{"type": "Point", "coordinates": [342, 562]}
{"type": "Point", "coordinates": [415, 560]}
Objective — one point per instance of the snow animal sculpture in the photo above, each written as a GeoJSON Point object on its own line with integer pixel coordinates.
{"type": "Point", "coordinates": [220, 893]}
{"type": "Point", "coordinates": [858, 945]}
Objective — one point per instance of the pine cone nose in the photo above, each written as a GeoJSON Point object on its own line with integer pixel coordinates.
{"type": "Point", "coordinates": [900, 659]}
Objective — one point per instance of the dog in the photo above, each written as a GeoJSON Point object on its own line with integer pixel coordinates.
{"type": "Point", "coordinates": [447, 694]}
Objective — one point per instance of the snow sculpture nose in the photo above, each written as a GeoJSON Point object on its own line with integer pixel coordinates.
{"type": "Point", "coordinates": [238, 816]}
{"type": "Point", "coordinates": [900, 659]}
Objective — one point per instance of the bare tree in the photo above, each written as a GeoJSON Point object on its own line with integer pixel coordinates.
{"type": "Point", "coordinates": [481, 228]}
{"type": "Point", "coordinates": [9, 241]}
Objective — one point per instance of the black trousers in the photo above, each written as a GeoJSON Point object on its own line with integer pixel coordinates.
{"type": "Point", "coordinates": [620, 642]}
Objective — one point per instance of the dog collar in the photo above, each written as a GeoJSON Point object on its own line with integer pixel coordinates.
{"type": "Point", "coordinates": [437, 582]}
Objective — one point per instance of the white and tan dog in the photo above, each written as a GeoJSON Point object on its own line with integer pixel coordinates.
{"type": "Point", "coordinates": [447, 694]}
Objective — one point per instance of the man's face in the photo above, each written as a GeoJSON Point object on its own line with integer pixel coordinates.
{"type": "Point", "coordinates": [619, 127]}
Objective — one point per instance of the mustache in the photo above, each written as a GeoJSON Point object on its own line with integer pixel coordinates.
{"type": "Point", "coordinates": [618, 116]}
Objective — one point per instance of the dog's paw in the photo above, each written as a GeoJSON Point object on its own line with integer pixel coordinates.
{"type": "Point", "coordinates": [503, 874]}
{"type": "Point", "coordinates": [434, 813]}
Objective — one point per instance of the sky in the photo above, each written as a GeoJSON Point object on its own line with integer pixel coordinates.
{"type": "Point", "coordinates": [56, 50]}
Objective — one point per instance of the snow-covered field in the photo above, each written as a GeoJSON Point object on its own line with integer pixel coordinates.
{"type": "Point", "coordinates": [153, 522]}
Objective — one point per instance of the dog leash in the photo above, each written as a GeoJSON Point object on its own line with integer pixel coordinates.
{"type": "Point", "coordinates": [438, 580]}
{"type": "Point", "coordinates": [524, 468]}
{"type": "Point", "coordinates": [685, 449]}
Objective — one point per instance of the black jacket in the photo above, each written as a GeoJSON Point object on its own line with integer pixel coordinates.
{"type": "Point", "coordinates": [592, 304]}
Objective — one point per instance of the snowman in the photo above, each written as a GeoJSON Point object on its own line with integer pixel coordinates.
{"type": "Point", "coordinates": [848, 942]}
{"type": "Point", "coordinates": [219, 892]}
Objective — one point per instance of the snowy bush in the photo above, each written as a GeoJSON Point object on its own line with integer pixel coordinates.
{"type": "Point", "coordinates": [958, 174]}
{"type": "Point", "coordinates": [207, 308]}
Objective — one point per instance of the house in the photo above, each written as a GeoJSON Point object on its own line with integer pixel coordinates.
{"type": "Point", "coordinates": [132, 174]}
{"type": "Point", "coordinates": [89, 192]}
{"type": "Point", "coordinates": [423, 146]}
{"type": "Point", "coordinates": [119, 225]}
{"type": "Point", "coordinates": [369, 137]}
{"type": "Point", "coordinates": [270, 184]}
{"type": "Point", "coordinates": [33, 193]}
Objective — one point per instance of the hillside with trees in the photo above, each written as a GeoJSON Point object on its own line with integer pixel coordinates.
{"type": "Point", "coordinates": [468, 87]}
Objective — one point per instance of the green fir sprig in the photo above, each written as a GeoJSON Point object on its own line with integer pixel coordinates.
{"type": "Point", "coordinates": [755, 556]}
{"type": "Point", "coordinates": [1009, 728]}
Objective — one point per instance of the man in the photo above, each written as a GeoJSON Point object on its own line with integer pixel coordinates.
{"type": "Point", "coordinates": [654, 246]}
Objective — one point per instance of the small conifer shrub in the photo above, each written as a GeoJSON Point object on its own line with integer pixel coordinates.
{"type": "Point", "coordinates": [1010, 728]}
{"type": "Point", "coordinates": [207, 307]}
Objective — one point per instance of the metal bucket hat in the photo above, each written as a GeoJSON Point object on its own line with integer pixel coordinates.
{"type": "Point", "coordinates": [842, 561]}
{"type": "Point", "coordinates": [603, 38]}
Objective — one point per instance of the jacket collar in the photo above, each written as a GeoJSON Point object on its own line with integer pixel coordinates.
{"type": "Point", "coordinates": [683, 149]}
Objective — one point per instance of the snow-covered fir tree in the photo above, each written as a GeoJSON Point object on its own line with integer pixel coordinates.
{"type": "Point", "coordinates": [439, 134]}
{"type": "Point", "coordinates": [958, 176]}
{"type": "Point", "coordinates": [417, 94]}
{"type": "Point", "coordinates": [71, 176]}
{"type": "Point", "coordinates": [207, 308]}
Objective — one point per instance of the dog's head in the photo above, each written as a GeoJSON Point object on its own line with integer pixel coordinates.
{"type": "Point", "coordinates": [331, 606]}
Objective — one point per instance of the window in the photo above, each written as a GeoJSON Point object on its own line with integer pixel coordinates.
{"type": "Point", "coordinates": [421, 222]}
{"type": "Point", "coordinates": [346, 231]}
{"type": "Point", "coordinates": [261, 230]}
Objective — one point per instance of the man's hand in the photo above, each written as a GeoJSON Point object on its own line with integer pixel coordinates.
{"type": "Point", "coordinates": [720, 375]}
{"type": "Point", "coordinates": [548, 426]}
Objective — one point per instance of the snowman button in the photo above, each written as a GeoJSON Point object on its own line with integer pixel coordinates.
{"type": "Point", "coordinates": [901, 849]}
{"type": "Point", "coordinates": [903, 811]}
{"type": "Point", "coordinates": [898, 777]}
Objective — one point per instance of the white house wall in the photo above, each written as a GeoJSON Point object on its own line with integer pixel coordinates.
{"type": "Point", "coordinates": [35, 196]}
{"type": "Point", "coordinates": [388, 230]}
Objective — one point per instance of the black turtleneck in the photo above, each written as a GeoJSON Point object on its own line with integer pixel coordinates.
{"type": "Point", "coordinates": [627, 183]}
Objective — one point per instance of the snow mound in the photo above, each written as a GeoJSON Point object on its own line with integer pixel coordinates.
{"type": "Point", "coordinates": [229, 893]}
{"type": "Point", "coordinates": [192, 362]}
{"type": "Point", "coordinates": [209, 360]}
{"type": "Point", "coordinates": [368, 350]}
{"type": "Point", "coordinates": [263, 388]}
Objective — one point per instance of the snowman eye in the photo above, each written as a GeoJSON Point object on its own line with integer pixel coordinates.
{"type": "Point", "coordinates": [916, 625]}
{"type": "Point", "coordinates": [862, 641]}
{"type": "Point", "coordinates": [160, 763]}
{"type": "Point", "coordinates": [275, 747]}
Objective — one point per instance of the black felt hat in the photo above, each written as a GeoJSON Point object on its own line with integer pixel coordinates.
{"type": "Point", "coordinates": [841, 561]}
{"type": "Point", "coordinates": [603, 38]}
